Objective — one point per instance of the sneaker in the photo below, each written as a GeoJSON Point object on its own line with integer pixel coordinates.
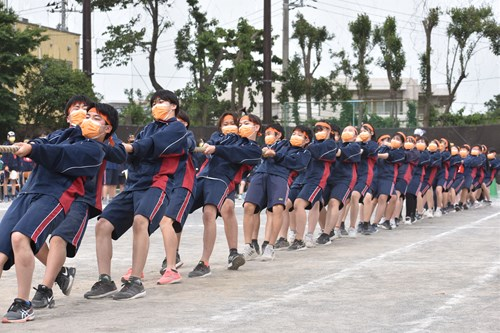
{"type": "Point", "coordinates": [178, 264]}
{"type": "Point", "coordinates": [65, 279]}
{"type": "Point", "coordinates": [268, 254]}
{"type": "Point", "coordinates": [43, 297]}
{"type": "Point", "coordinates": [263, 247]}
{"type": "Point", "coordinates": [323, 239]}
{"type": "Point", "coordinates": [101, 289]}
{"type": "Point", "coordinates": [337, 233]}
{"type": "Point", "coordinates": [130, 290]}
{"type": "Point", "coordinates": [465, 206]}
{"type": "Point", "coordinates": [408, 220]}
{"type": "Point", "coordinates": [249, 252]}
{"type": "Point", "coordinates": [297, 245]}
{"type": "Point", "coordinates": [365, 228]}
{"type": "Point", "coordinates": [352, 232]}
{"type": "Point", "coordinates": [343, 232]}
{"type": "Point", "coordinates": [19, 312]}
{"type": "Point", "coordinates": [281, 244]}
{"type": "Point", "coordinates": [360, 227]}
{"type": "Point", "coordinates": [256, 246]}
{"type": "Point", "coordinates": [393, 224]}
{"type": "Point", "coordinates": [235, 261]}
{"type": "Point", "coordinates": [429, 213]}
{"type": "Point", "coordinates": [475, 205]}
{"type": "Point", "coordinates": [126, 277]}
{"type": "Point", "coordinates": [438, 212]}
{"type": "Point", "coordinates": [201, 270]}
{"type": "Point", "coordinates": [487, 202]}
{"type": "Point", "coordinates": [170, 277]}
{"type": "Point", "coordinates": [309, 240]}
{"type": "Point", "coordinates": [385, 225]}
{"type": "Point", "coordinates": [372, 229]}
{"type": "Point", "coordinates": [291, 236]}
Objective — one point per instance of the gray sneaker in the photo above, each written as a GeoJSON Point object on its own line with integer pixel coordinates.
{"type": "Point", "coordinates": [281, 244]}
{"type": "Point", "coordinates": [19, 312]}
{"type": "Point", "coordinates": [297, 245]}
{"type": "Point", "coordinates": [101, 289]}
{"type": "Point", "coordinates": [43, 297]}
{"type": "Point", "coordinates": [130, 290]}
{"type": "Point", "coordinates": [200, 270]}
{"type": "Point", "coordinates": [235, 261]}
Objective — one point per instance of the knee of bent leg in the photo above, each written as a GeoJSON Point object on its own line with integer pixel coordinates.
{"type": "Point", "coordinates": [103, 227]}
{"type": "Point", "coordinates": [19, 239]}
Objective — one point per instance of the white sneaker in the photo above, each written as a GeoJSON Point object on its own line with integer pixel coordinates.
{"type": "Point", "coordinates": [336, 233]}
{"type": "Point", "coordinates": [268, 254]}
{"type": "Point", "coordinates": [291, 236]}
{"type": "Point", "coordinates": [438, 212]}
{"type": "Point", "coordinates": [249, 252]}
{"type": "Point", "coordinates": [476, 204]}
{"type": "Point", "coordinates": [428, 214]}
{"type": "Point", "coordinates": [352, 232]}
{"type": "Point", "coordinates": [408, 220]}
{"type": "Point", "coordinates": [309, 240]}
{"type": "Point", "coordinates": [393, 224]}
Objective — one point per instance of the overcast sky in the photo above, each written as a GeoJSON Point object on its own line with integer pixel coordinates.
{"type": "Point", "coordinates": [480, 86]}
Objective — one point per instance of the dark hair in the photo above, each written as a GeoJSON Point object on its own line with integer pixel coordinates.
{"type": "Point", "coordinates": [369, 128]}
{"type": "Point", "coordinates": [184, 117]}
{"type": "Point", "coordinates": [493, 150]}
{"type": "Point", "coordinates": [110, 113]}
{"type": "Point", "coordinates": [77, 99]}
{"type": "Point", "coordinates": [304, 129]}
{"type": "Point", "coordinates": [222, 116]}
{"type": "Point", "coordinates": [253, 118]}
{"type": "Point", "coordinates": [400, 135]}
{"type": "Point", "coordinates": [277, 127]}
{"type": "Point", "coordinates": [335, 128]}
{"type": "Point", "coordinates": [423, 138]}
{"type": "Point", "coordinates": [165, 95]}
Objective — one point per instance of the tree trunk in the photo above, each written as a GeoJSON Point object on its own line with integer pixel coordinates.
{"type": "Point", "coordinates": [152, 50]}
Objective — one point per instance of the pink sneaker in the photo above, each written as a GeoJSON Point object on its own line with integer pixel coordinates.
{"type": "Point", "coordinates": [170, 277]}
{"type": "Point", "coordinates": [126, 277]}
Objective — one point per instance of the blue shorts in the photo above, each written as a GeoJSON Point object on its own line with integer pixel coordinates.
{"type": "Point", "coordinates": [72, 228]}
{"type": "Point", "coordinates": [439, 182]}
{"type": "Point", "coordinates": [33, 215]}
{"type": "Point", "coordinates": [294, 192]}
{"type": "Point", "coordinates": [312, 194]}
{"type": "Point", "coordinates": [373, 190]}
{"type": "Point", "coordinates": [467, 182]}
{"type": "Point", "coordinates": [401, 186]}
{"type": "Point", "coordinates": [458, 183]}
{"type": "Point", "coordinates": [362, 188]}
{"type": "Point", "coordinates": [267, 190]}
{"type": "Point", "coordinates": [150, 203]}
{"type": "Point", "coordinates": [209, 192]}
{"type": "Point", "coordinates": [424, 188]}
{"type": "Point", "coordinates": [178, 207]}
{"type": "Point", "coordinates": [340, 192]}
{"type": "Point", "coordinates": [111, 177]}
{"type": "Point", "coordinates": [231, 196]}
{"type": "Point", "coordinates": [385, 187]}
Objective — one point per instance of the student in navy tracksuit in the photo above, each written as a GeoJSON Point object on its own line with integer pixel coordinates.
{"type": "Point", "coordinates": [153, 160]}
{"type": "Point", "coordinates": [269, 187]}
{"type": "Point", "coordinates": [459, 181]}
{"type": "Point", "coordinates": [470, 163]}
{"type": "Point", "coordinates": [178, 208]}
{"type": "Point", "coordinates": [491, 171]}
{"type": "Point", "coordinates": [366, 168]}
{"type": "Point", "coordinates": [343, 178]}
{"type": "Point", "coordinates": [480, 152]}
{"type": "Point", "coordinates": [227, 160]}
{"type": "Point", "coordinates": [323, 153]}
{"type": "Point", "coordinates": [442, 178]}
{"type": "Point", "coordinates": [430, 174]}
{"type": "Point", "coordinates": [57, 180]}
{"type": "Point", "coordinates": [405, 173]}
{"type": "Point", "coordinates": [66, 238]}
{"type": "Point", "coordinates": [455, 163]}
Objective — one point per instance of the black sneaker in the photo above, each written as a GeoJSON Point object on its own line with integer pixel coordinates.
{"type": "Point", "coordinates": [43, 297]}
{"type": "Point", "coordinates": [372, 229]}
{"type": "Point", "coordinates": [201, 270]}
{"type": "Point", "coordinates": [256, 246]}
{"type": "Point", "coordinates": [101, 289]}
{"type": "Point", "coordinates": [297, 245]}
{"type": "Point", "coordinates": [130, 290]}
{"type": "Point", "coordinates": [19, 312]}
{"type": "Point", "coordinates": [178, 263]}
{"type": "Point", "coordinates": [385, 225]}
{"type": "Point", "coordinates": [343, 232]}
{"type": "Point", "coordinates": [323, 239]}
{"type": "Point", "coordinates": [65, 279]}
{"type": "Point", "coordinates": [365, 228]}
{"type": "Point", "coordinates": [235, 261]}
{"type": "Point", "coordinates": [281, 244]}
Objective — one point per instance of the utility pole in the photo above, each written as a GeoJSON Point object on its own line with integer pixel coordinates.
{"type": "Point", "coordinates": [63, 16]}
{"type": "Point", "coordinates": [286, 23]}
{"type": "Point", "coordinates": [86, 36]}
{"type": "Point", "coordinates": [267, 82]}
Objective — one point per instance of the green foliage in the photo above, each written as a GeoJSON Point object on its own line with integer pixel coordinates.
{"type": "Point", "coordinates": [411, 115]}
{"type": "Point", "coordinates": [137, 111]}
{"type": "Point", "coordinates": [493, 107]}
{"type": "Point", "coordinates": [379, 122]}
{"type": "Point", "coordinates": [47, 88]}
{"type": "Point", "coordinates": [15, 60]}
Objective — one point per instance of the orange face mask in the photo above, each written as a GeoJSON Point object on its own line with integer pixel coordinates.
{"type": "Point", "coordinates": [409, 145]}
{"type": "Point", "coordinates": [347, 136]}
{"type": "Point", "coordinates": [229, 129]}
{"type": "Point", "coordinates": [464, 153]}
{"type": "Point", "coordinates": [421, 146]}
{"type": "Point", "coordinates": [364, 136]}
{"type": "Point", "coordinates": [91, 129]}
{"type": "Point", "coordinates": [432, 147]}
{"type": "Point", "coordinates": [296, 140]}
{"type": "Point", "coordinates": [395, 144]}
{"type": "Point", "coordinates": [160, 112]}
{"type": "Point", "coordinates": [76, 117]}
{"type": "Point", "coordinates": [246, 131]}
{"type": "Point", "coordinates": [270, 139]}
{"type": "Point", "coordinates": [474, 152]}
{"type": "Point", "coordinates": [491, 156]}
{"type": "Point", "coordinates": [320, 135]}
{"type": "Point", "coordinates": [454, 151]}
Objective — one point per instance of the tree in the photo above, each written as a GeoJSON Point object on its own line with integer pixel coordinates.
{"type": "Point", "coordinates": [15, 60]}
{"type": "Point", "coordinates": [309, 38]}
{"type": "Point", "coordinates": [411, 115]}
{"type": "Point", "coordinates": [393, 59]}
{"type": "Point", "coordinates": [430, 22]}
{"type": "Point", "coordinates": [361, 30]}
{"type": "Point", "coordinates": [493, 107]}
{"type": "Point", "coordinates": [137, 111]}
{"type": "Point", "coordinates": [293, 85]}
{"type": "Point", "coordinates": [201, 46]}
{"type": "Point", "coordinates": [47, 87]}
{"type": "Point", "coordinates": [125, 39]}
{"type": "Point", "coordinates": [467, 28]}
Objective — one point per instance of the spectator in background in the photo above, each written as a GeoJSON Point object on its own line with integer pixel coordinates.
{"type": "Point", "coordinates": [110, 182]}
{"type": "Point", "coordinates": [27, 166]}
{"type": "Point", "coordinates": [11, 169]}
